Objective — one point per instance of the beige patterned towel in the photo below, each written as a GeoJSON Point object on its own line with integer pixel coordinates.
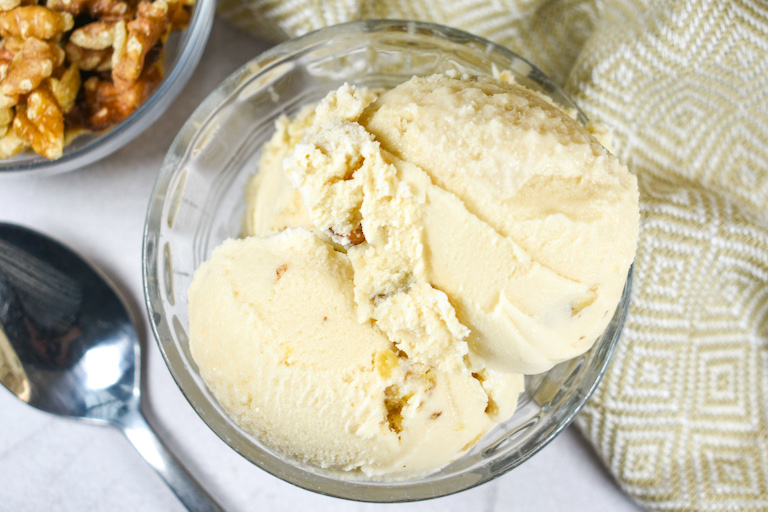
{"type": "Point", "coordinates": [681, 418]}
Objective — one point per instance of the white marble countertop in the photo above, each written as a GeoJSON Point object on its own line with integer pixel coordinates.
{"type": "Point", "coordinates": [54, 464]}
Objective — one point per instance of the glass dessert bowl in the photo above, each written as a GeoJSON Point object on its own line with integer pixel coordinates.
{"type": "Point", "coordinates": [198, 202]}
{"type": "Point", "coordinates": [180, 55]}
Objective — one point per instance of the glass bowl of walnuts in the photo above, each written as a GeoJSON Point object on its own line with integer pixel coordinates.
{"type": "Point", "coordinates": [79, 79]}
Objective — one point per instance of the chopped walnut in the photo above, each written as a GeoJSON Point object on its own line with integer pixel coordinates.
{"type": "Point", "coordinates": [7, 101]}
{"type": "Point", "coordinates": [112, 10]}
{"type": "Point", "coordinates": [40, 123]}
{"type": "Point", "coordinates": [94, 36]}
{"type": "Point", "coordinates": [89, 60]}
{"type": "Point", "coordinates": [178, 14]}
{"type": "Point", "coordinates": [35, 62]}
{"type": "Point", "coordinates": [355, 237]}
{"type": "Point", "coordinates": [6, 57]}
{"type": "Point", "coordinates": [6, 118]}
{"type": "Point", "coordinates": [119, 39]}
{"type": "Point", "coordinates": [74, 7]}
{"type": "Point", "coordinates": [34, 21]}
{"type": "Point", "coordinates": [106, 105]}
{"type": "Point", "coordinates": [13, 44]}
{"type": "Point", "coordinates": [142, 34]}
{"type": "Point", "coordinates": [11, 144]}
{"type": "Point", "coordinates": [7, 5]}
{"type": "Point", "coordinates": [66, 87]}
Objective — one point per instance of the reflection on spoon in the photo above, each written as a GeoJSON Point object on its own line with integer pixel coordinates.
{"type": "Point", "coordinates": [68, 347]}
{"type": "Point", "coordinates": [11, 372]}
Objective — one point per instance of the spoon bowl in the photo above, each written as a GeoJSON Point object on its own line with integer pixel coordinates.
{"type": "Point", "coordinates": [68, 346]}
{"type": "Point", "coordinates": [72, 335]}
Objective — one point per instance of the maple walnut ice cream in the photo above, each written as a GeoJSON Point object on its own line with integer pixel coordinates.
{"type": "Point", "coordinates": [413, 255]}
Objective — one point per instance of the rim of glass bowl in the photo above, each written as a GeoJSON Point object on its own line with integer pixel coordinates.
{"type": "Point", "coordinates": [163, 326]}
{"type": "Point", "coordinates": [191, 46]}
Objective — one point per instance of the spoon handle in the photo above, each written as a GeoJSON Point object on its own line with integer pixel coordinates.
{"type": "Point", "coordinates": [182, 483]}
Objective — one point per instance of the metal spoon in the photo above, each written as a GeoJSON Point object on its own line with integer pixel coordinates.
{"type": "Point", "coordinates": [68, 347]}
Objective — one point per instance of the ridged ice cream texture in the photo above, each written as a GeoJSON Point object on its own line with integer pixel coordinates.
{"type": "Point", "coordinates": [469, 230]}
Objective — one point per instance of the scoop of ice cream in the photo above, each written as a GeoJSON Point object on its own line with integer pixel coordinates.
{"type": "Point", "coordinates": [274, 331]}
{"type": "Point", "coordinates": [478, 217]}
{"type": "Point", "coordinates": [521, 165]}
{"type": "Point", "coordinates": [441, 240]}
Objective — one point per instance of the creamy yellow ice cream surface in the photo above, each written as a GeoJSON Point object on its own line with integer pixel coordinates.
{"type": "Point", "coordinates": [413, 255]}
{"type": "Point", "coordinates": [275, 335]}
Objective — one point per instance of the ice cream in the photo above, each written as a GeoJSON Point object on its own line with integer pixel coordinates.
{"type": "Point", "coordinates": [414, 255]}
{"type": "Point", "coordinates": [274, 331]}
